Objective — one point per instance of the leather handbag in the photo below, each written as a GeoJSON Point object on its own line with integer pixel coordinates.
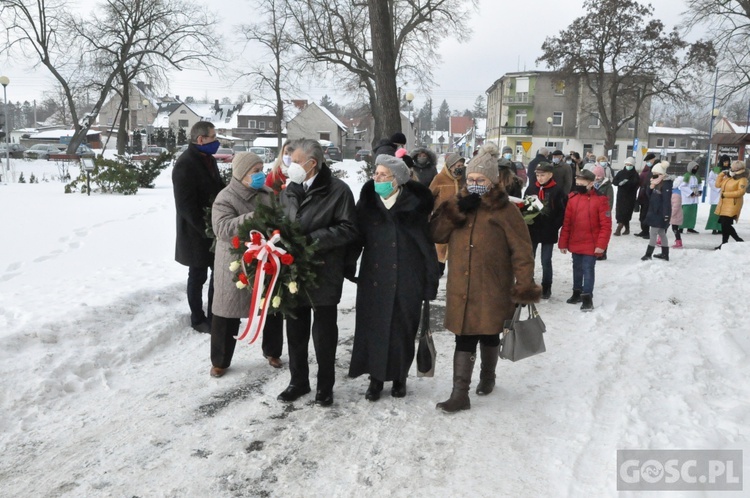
{"type": "Point", "coordinates": [426, 353]}
{"type": "Point", "coordinates": [523, 338]}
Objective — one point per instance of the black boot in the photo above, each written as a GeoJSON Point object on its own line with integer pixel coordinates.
{"type": "Point", "coordinates": [399, 389]}
{"type": "Point", "coordinates": [618, 232]}
{"type": "Point", "coordinates": [442, 268]}
{"type": "Point", "coordinates": [587, 302]}
{"type": "Point", "coordinates": [575, 298]}
{"type": "Point", "coordinates": [463, 366]}
{"type": "Point", "coordinates": [374, 390]}
{"type": "Point", "coordinates": [664, 254]}
{"type": "Point", "coordinates": [488, 356]}
{"type": "Point", "coordinates": [627, 228]}
{"type": "Point", "coordinates": [546, 291]}
{"type": "Point", "coordinates": [649, 253]}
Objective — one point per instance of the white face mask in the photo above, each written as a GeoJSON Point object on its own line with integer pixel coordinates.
{"type": "Point", "coordinates": [508, 156]}
{"type": "Point", "coordinates": [297, 172]}
{"type": "Point", "coordinates": [286, 159]}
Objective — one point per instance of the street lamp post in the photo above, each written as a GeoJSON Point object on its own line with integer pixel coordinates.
{"type": "Point", "coordinates": [549, 129]}
{"type": "Point", "coordinates": [409, 98]}
{"type": "Point", "coordinates": [145, 120]}
{"type": "Point", "coordinates": [5, 81]}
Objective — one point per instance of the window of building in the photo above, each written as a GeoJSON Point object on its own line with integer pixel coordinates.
{"type": "Point", "coordinates": [262, 125]}
{"type": "Point", "coordinates": [325, 136]}
{"type": "Point", "coordinates": [270, 125]}
{"type": "Point", "coordinates": [251, 124]}
{"type": "Point", "coordinates": [670, 142]}
{"type": "Point", "coordinates": [557, 118]}
{"type": "Point", "coordinates": [594, 120]}
{"type": "Point", "coordinates": [629, 152]}
{"type": "Point", "coordinates": [559, 87]}
{"type": "Point", "coordinates": [684, 143]}
{"type": "Point", "coordinates": [520, 119]}
{"type": "Point", "coordinates": [660, 142]}
{"type": "Point", "coordinates": [588, 148]}
{"type": "Point", "coordinates": [183, 123]}
{"type": "Point", "coordinates": [615, 153]}
{"type": "Point", "coordinates": [183, 111]}
{"type": "Point", "coordinates": [522, 85]}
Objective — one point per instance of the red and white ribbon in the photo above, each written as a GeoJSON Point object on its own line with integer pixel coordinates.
{"type": "Point", "coordinates": [263, 252]}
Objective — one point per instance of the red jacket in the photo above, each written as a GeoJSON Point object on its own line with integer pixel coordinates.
{"type": "Point", "coordinates": [587, 225]}
{"type": "Point", "coordinates": [276, 181]}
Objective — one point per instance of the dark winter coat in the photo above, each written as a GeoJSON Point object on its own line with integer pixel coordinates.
{"type": "Point", "coordinates": [531, 168]}
{"type": "Point", "coordinates": [232, 207]}
{"type": "Point", "coordinates": [425, 172]}
{"type": "Point", "coordinates": [490, 263]}
{"type": "Point", "coordinates": [660, 205]}
{"type": "Point", "coordinates": [563, 176]}
{"type": "Point", "coordinates": [196, 183]}
{"type": "Point", "coordinates": [644, 182]}
{"type": "Point", "coordinates": [326, 214]}
{"type": "Point", "coordinates": [605, 188]}
{"type": "Point", "coordinates": [547, 224]}
{"type": "Point", "coordinates": [587, 225]}
{"type": "Point", "coordinates": [627, 182]}
{"type": "Point", "coordinates": [398, 271]}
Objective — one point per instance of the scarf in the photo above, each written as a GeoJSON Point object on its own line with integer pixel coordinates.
{"type": "Point", "coordinates": [549, 184]}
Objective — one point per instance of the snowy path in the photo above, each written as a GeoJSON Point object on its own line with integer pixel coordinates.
{"type": "Point", "coordinates": [106, 389]}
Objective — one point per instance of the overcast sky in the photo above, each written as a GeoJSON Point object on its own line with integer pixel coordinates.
{"type": "Point", "coordinates": [505, 36]}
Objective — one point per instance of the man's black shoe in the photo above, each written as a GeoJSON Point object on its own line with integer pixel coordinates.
{"type": "Point", "coordinates": [692, 230]}
{"type": "Point", "coordinates": [373, 391]}
{"type": "Point", "coordinates": [323, 398]}
{"type": "Point", "coordinates": [203, 327]}
{"type": "Point", "coordinates": [399, 389]}
{"type": "Point", "coordinates": [292, 393]}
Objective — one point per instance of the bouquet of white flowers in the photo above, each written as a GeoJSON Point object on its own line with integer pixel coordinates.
{"type": "Point", "coordinates": [530, 207]}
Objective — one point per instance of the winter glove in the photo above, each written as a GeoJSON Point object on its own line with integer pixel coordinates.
{"type": "Point", "coordinates": [469, 203]}
{"type": "Point", "coordinates": [350, 272]}
{"type": "Point", "coordinates": [622, 183]}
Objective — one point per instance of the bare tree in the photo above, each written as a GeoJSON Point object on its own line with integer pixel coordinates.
{"type": "Point", "coordinates": [344, 36]}
{"type": "Point", "coordinates": [729, 23]}
{"type": "Point", "coordinates": [625, 58]}
{"type": "Point", "coordinates": [276, 70]}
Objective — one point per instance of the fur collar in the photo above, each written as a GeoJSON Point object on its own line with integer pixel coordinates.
{"type": "Point", "coordinates": [413, 197]}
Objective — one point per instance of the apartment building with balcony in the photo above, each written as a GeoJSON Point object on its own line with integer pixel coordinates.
{"type": "Point", "coordinates": [531, 109]}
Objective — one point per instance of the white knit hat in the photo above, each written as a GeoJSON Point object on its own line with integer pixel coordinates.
{"type": "Point", "coordinates": [661, 168]}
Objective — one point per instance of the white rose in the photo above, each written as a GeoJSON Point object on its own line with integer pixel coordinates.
{"type": "Point", "coordinates": [292, 287]}
{"type": "Point", "coordinates": [240, 285]}
{"type": "Point", "coordinates": [276, 302]}
{"type": "Point", "coordinates": [234, 266]}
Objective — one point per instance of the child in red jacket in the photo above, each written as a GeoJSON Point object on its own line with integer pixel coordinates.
{"type": "Point", "coordinates": [585, 233]}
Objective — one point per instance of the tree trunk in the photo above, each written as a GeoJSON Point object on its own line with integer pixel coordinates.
{"type": "Point", "coordinates": [122, 128]}
{"type": "Point", "coordinates": [385, 111]}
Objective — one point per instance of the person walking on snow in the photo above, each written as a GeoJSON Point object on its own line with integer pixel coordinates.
{"type": "Point", "coordinates": [585, 233]}
{"type": "Point", "coordinates": [644, 179]}
{"type": "Point", "coordinates": [733, 186]}
{"type": "Point", "coordinates": [626, 181]}
{"type": "Point", "coordinates": [490, 271]}
{"type": "Point", "coordinates": [676, 219]}
{"type": "Point", "coordinates": [715, 193]}
{"type": "Point", "coordinates": [659, 211]}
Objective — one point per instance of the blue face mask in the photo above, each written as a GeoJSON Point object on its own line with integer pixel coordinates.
{"type": "Point", "coordinates": [628, 167]}
{"type": "Point", "coordinates": [508, 156]}
{"type": "Point", "coordinates": [258, 180]}
{"type": "Point", "coordinates": [384, 189]}
{"type": "Point", "coordinates": [209, 148]}
{"type": "Point", "coordinates": [477, 189]}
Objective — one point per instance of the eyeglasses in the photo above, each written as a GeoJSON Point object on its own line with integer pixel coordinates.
{"type": "Point", "coordinates": [381, 177]}
{"type": "Point", "coordinates": [476, 181]}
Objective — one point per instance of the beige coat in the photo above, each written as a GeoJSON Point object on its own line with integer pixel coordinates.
{"type": "Point", "coordinates": [490, 263]}
{"type": "Point", "coordinates": [444, 186]}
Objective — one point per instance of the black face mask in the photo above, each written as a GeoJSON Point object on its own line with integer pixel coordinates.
{"type": "Point", "coordinates": [654, 176]}
{"type": "Point", "coordinates": [458, 171]}
{"type": "Point", "coordinates": [581, 189]}
{"type": "Point", "coordinates": [694, 171]}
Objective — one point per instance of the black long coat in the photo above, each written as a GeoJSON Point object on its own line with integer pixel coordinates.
{"type": "Point", "coordinates": [660, 205]}
{"type": "Point", "coordinates": [326, 214]}
{"type": "Point", "coordinates": [196, 183]}
{"type": "Point", "coordinates": [626, 194]}
{"type": "Point", "coordinates": [398, 271]}
{"type": "Point", "coordinates": [547, 224]}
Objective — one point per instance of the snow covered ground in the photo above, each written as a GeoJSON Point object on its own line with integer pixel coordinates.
{"type": "Point", "coordinates": [106, 392]}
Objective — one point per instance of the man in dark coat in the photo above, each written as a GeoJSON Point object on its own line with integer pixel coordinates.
{"type": "Point", "coordinates": [626, 180]}
{"type": "Point", "coordinates": [643, 198]}
{"type": "Point", "coordinates": [324, 207]}
{"type": "Point", "coordinates": [540, 156]}
{"type": "Point", "coordinates": [399, 270]}
{"type": "Point", "coordinates": [196, 182]}
{"type": "Point", "coordinates": [425, 165]}
{"type": "Point", "coordinates": [546, 225]}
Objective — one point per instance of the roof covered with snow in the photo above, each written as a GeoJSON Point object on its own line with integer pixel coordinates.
{"type": "Point", "coordinates": [52, 134]}
{"type": "Point", "coordinates": [665, 130]}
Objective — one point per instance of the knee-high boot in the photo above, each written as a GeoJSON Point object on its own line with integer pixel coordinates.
{"type": "Point", "coordinates": [463, 366]}
{"type": "Point", "coordinates": [488, 356]}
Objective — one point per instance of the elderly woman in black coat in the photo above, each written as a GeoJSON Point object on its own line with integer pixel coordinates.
{"type": "Point", "coordinates": [627, 181]}
{"type": "Point", "coordinates": [398, 271]}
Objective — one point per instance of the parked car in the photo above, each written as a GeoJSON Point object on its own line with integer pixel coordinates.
{"type": "Point", "coordinates": [42, 151]}
{"type": "Point", "coordinates": [224, 155]}
{"type": "Point", "coordinates": [333, 153]}
{"type": "Point", "coordinates": [363, 155]}
{"type": "Point", "coordinates": [153, 150]}
{"type": "Point", "coordinates": [85, 151]}
{"type": "Point", "coordinates": [264, 152]}
{"type": "Point", "coordinates": [239, 148]}
{"type": "Point", "coordinates": [16, 150]}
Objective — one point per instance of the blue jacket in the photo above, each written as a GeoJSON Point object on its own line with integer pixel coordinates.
{"type": "Point", "coordinates": [660, 205]}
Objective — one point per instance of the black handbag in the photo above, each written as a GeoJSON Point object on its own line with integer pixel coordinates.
{"type": "Point", "coordinates": [523, 338]}
{"type": "Point", "coordinates": [426, 353]}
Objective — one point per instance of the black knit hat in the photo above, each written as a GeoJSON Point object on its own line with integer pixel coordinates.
{"type": "Point", "coordinates": [649, 156]}
{"type": "Point", "coordinates": [398, 138]}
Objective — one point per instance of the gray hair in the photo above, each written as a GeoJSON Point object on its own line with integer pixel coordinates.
{"type": "Point", "coordinates": [200, 129]}
{"type": "Point", "coordinates": [544, 151]}
{"type": "Point", "coordinates": [311, 148]}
